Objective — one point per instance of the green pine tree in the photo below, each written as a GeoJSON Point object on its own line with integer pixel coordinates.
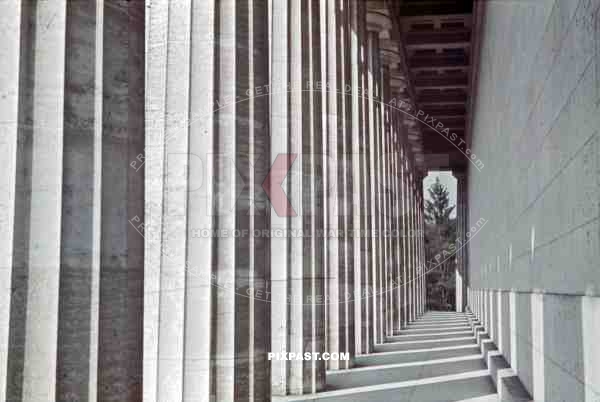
{"type": "Point", "coordinates": [440, 234]}
{"type": "Point", "coordinates": [438, 209]}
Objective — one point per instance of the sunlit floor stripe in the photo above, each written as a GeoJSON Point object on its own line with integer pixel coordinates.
{"type": "Point", "coordinates": [388, 386]}
{"type": "Point", "coordinates": [408, 364]}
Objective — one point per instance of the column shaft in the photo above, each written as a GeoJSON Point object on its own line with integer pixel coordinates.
{"type": "Point", "coordinates": [405, 238]}
{"type": "Point", "coordinates": [217, 280]}
{"type": "Point", "coordinates": [387, 192]}
{"type": "Point", "coordinates": [69, 103]}
{"type": "Point", "coordinates": [348, 324]}
{"type": "Point", "coordinates": [461, 227]}
{"type": "Point", "coordinates": [366, 190]}
{"type": "Point", "coordinates": [397, 289]}
{"type": "Point", "coordinates": [372, 52]}
{"type": "Point", "coordinates": [358, 200]}
{"type": "Point", "coordinates": [10, 49]}
{"type": "Point", "coordinates": [306, 276]}
{"type": "Point", "coordinates": [380, 202]}
{"type": "Point", "coordinates": [336, 258]}
{"type": "Point", "coordinates": [279, 220]}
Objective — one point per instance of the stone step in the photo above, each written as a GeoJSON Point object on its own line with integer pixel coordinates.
{"type": "Point", "coordinates": [449, 388]}
{"type": "Point", "coordinates": [426, 336]}
{"type": "Point", "coordinates": [437, 319]}
{"type": "Point", "coordinates": [406, 356]}
{"type": "Point", "coordinates": [459, 315]}
{"type": "Point", "coordinates": [432, 330]}
{"type": "Point", "coordinates": [450, 313]}
{"type": "Point", "coordinates": [372, 375]}
{"type": "Point", "coordinates": [425, 344]}
{"type": "Point", "coordinates": [437, 324]}
{"type": "Point", "coordinates": [486, 398]}
{"type": "Point", "coordinates": [440, 357]}
{"type": "Point", "coordinates": [510, 388]}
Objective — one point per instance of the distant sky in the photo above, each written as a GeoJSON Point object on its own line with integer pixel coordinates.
{"type": "Point", "coordinates": [447, 180]}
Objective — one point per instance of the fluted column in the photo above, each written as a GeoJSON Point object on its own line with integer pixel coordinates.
{"type": "Point", "coordinates": [400, 277]}
{"type": "Point", "coordinates": [421, 264]}
{"type": "Point", "coordinates": [405, 238]}
{"type": "Point", "coordinates": [413, 240]}
{"type": "Point", "coordinates": [378, 24]}
{"type": "Point", "coordinates": [389, 58]}
{"type": "Point", "coordinates": [423, 256]}
{"type": "Point", "coordinates": [385, 185]}
{"type": "Point", "coordinates": [419, 249]}
{"type": "Point", "coordinates": [409, 246]}
{"type": "Point", "coordinates": [279, 116]}
{"type": "Point", "coordinates": [359, 169]}
{"type": "Point", "coordinates": [71, 123]}
{"type": "Point", "coordinates": [461, 227]}
{"type": "Point", "coordinates": [350, 123]}
{"type": "Point", "coordinates": [297, 116]}
{"type": "Point", "coordinates": [417, 252]}
{"type": "Point", "coordinates": [339, 136]}
{"type": "Point", "coordinates": [416, 243]}
{"type": "Point", "coordinates": [372, 153]}
{"type": "Point", "coordinates": [397, 226]}
{"type": "Point", "coordinates": [206, 309]}
{"type": "Point", "coordinates": [10, 18]}
{"type": "Point", "coordinates": [367, 297]}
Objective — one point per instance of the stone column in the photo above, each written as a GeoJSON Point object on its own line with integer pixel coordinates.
{"type": "Point", "coordinates": [411, 247]}
{"type": "Point", "coordinates": [461, 227]}
{"type": "Point", "coordinates": [420, 249]}
{"type": "Point", "coordinates": [423, 259]}
{"type": "Point", "coordinates": [405, 238]}
{"type": "Point", "coordinates": [338, 144]}
{"type": "Point", "coordinates": [413, 219]}
{"type": "Point", "coordinates": [296, 117]}
{"type": "Point", "coordinates": [279, 120]}
{"type": "Point", "coordinates": [378, 24]}
{"type": "Point", "coordinates": [390, 59]}
{"type": "Point", "coordinates": [367, 54]}
{"type": "Point", "coordinates": [349, 124]}
{"type": "Point", "coordinates": [397, 226]}
{"type": "Point", "coordinates": [417, 252]}
{"type": "Point", "coordinates": [386, 190]}
{"type": "Point", "coordinates": [10, 50]}
{"type": "Point", "coordinates": [70, 264]}
{"type": "Point", "coordinates": [207, 308]}
{"type": "Point", "coordinates": [421, 270]}
{"type": "Point", "coordinates": [372, 57]}
{"type": "Point", "coordinates": [422, 267]}
{"type": "Point", "coordinates": [359, 170]}
{"type": "Point", "coordinates": [402, 240]}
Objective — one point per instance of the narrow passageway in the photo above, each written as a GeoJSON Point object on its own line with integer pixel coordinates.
{"type": "Point", "coordinates": [201, 199]}
{"type": "Point", "coordinates": [441, 356]}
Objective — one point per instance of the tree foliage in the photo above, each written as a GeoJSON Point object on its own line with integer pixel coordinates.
{"type": "Point", "coordinates": [438, 208]}
{"type": "Point", "coordinates": [440, 238]}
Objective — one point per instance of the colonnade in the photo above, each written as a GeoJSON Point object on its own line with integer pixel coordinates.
{"type": "Point", "coordinates": [71, 265]}
{"type": "Point", "coordinates": [303, 143]}
{"type": "Point", "coordinates": [270, 204]}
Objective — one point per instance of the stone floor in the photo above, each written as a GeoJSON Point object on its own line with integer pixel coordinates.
{"type": "Point", "coordinates": [442, 356]}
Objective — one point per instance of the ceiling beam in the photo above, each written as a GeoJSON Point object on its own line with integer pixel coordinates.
{"type": "Point", "coordinates": [445, 111]}
{"type": "Point", "coordinates": [442, 98]}
{"type": "Point", "coordinates": [444, 81]}
{"type": "Point", "coordinates": [446, 37]}
{"type": "Point", "coordinates": [436, 61]}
